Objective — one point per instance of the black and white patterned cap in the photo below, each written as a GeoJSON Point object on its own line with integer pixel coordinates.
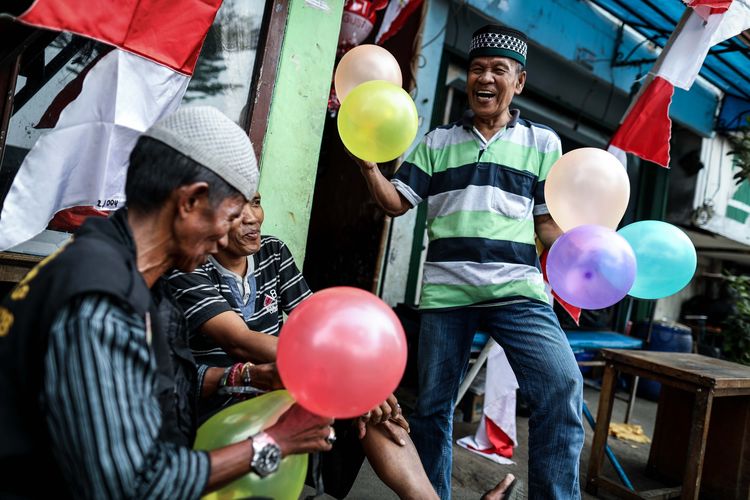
{"type": "Point", "coordinates": [206, 135]}
{"type": "Point", "coordinates": [493, 40]}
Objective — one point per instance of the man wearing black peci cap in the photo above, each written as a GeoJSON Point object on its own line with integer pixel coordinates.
{"type": "Point", "coordinates": [483, 181]}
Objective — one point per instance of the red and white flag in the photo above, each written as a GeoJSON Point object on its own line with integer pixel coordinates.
{"type": "Point", "coordinates": [646, 128]}
{"type": "Point", "coordinates": [83, 160]}
{"type": "Point", "coordinates": [711, 6]}
{"type": "Point", "coordinates": [495, 436]}
{"type": "Point", "coordinates": [395, 17]}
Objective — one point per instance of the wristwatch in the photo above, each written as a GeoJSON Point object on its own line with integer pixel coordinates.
{"type": "Point", "coordinates": [266, 455]}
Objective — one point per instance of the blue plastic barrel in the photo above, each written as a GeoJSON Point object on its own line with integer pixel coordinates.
{"type": "Point", "coordinates": [666, 336]}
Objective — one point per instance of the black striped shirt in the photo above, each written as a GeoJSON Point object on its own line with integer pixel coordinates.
{"type": "Point", "coordinates": [203, 294]}
{"type": "Point", "coordinates": [102, 414]}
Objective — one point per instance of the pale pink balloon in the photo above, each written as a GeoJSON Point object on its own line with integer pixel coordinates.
{"type": "Point", "coordinates": [587, 186]}
{"type": "Point", "coordinates": [362, 64]}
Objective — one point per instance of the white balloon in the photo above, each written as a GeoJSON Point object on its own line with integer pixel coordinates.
{"type": "Point", "coordinates": [587, 186]}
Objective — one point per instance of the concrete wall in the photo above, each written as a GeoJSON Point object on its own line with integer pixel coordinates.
{"type": "Point", "coordinates": [295, 124]}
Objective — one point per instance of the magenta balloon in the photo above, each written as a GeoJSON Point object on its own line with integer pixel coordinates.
{"type": "Point", "coordinates": [591, 267]}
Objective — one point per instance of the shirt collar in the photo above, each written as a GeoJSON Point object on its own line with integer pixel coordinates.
{"type": "Point", "coordinates": [467, 120]}
{"type": "Point", "coordinates": [227, 272]}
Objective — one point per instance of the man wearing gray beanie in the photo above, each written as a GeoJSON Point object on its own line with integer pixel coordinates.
{"type": "Point", "coordinates": [482, 180]}
{"type": "Point", "coordinates": [97, 383]}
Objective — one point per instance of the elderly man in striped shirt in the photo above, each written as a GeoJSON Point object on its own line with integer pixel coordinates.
{"type": "Point", "coordinates": [483, 181]}
{"type": "Point", "coordinates": [97, 384]}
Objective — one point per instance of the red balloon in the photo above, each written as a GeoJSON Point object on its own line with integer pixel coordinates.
{"type": "Point", "coordinates": [341, 352]}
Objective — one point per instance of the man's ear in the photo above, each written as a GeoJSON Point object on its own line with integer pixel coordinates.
{"type": "Point", "coordinates": [520, 82]}
{"type": "Point", "coordinates": [190, 197]}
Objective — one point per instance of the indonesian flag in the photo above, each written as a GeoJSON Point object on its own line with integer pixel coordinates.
{"type": "Point", "coordinates": [712, 6]}
{"type": "Point", "coordinates": [646, 128]}
{"type": "Point", "coordinates": [83, 160]}
{"type": "Point", "coordinates": [495, 436]}
{"type": "Point", "coordinates": [395, 17]}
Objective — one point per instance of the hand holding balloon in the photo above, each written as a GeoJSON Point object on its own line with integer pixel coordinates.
{"type": "Point", "coordinates": [299, 431]}
{"type": "Point", "coordinates": [242, 420]}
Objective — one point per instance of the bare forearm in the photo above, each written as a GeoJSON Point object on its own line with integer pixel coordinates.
{"type": "Point", "coordinates": [211, 381]}
{"type": "Point", "coordinates": [547, 230]}
{"type": "Point", "coordinates": [255, 347]}
{"type": "Point", "coordinates": [229, 463]}
{"type": "Point", "coordinates": [384, 193]}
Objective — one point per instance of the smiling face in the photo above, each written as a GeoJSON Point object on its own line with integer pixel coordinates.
{"type": "Point", "coordinates": [492, 83]}
{"type": "Point", "coordinates": [204, 230]}
{"type": "Point", "coordinates": [244, 237]}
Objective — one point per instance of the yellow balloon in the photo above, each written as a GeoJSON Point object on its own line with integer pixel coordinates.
{"type": "Point", "coordinates": [587, 186]}
{"type": "Point", "coordinates": [240, 421]}
{"type": "Point", "coordinates": [377, 121]}
{"type": "Point", "coordinates": [362, 64]}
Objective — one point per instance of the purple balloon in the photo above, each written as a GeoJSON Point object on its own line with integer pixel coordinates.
{"type": "Point", "coordinates": [591, 267]}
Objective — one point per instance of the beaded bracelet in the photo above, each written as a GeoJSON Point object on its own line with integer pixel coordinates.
{"type": "Point", "coordinates": [245, 374]}
{"type": "Point", "coordinates": [236, 382]}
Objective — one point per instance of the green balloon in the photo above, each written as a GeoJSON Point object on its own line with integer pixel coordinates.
{"type": "Point", "coordinates": [240, 421]}
{"type": "Point", "coordinates": [377, 121]}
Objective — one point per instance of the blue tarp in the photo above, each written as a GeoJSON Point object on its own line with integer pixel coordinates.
{"type": "Point", "coordinates": [735, 113]}
{"type": "Point", "coordinates": [583, 340]}
{"type": "Point", "coordinates": [727, 65]}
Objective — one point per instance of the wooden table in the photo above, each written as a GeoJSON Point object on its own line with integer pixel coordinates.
{"type": "Point", "coordinates": [696, 378]}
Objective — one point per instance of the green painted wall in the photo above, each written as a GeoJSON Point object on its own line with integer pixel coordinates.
{"type": "Point", "coordinates": [295, 125]}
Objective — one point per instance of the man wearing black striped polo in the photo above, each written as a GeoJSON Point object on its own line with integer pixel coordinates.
{"type": "Point", "coordinates": [240, 294]}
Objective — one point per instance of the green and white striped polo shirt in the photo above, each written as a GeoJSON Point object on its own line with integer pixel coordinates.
{"type": "Point", "coordinates": [482, 197]}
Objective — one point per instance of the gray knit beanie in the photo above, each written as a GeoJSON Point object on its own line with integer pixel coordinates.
{"type": "Point", "coordinates": [207, 136]}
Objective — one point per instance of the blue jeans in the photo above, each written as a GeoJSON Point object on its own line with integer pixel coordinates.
{"type": "Point", "coordinates": [549, 381]}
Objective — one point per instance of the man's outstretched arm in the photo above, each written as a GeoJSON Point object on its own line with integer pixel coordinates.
{"type": "Point", "coordinates": [383, 191]}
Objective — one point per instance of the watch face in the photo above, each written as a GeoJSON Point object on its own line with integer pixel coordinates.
{"type": "Point", "coordinates": [268, 460]}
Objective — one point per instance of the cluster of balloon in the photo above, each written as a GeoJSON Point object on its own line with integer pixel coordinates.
{"type": "Point", "coordinates": [377, 120]}
{"type": "Point", "coordinates": [341, 352]}
{"type": "Point", "coordinates": [591, 266]}
{"type": "Point", "coordinates": [240, 421]}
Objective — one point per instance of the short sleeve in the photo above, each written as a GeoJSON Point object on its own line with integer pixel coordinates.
{"type": "Point", "coordinates": [293, 288]}
{"type": "Point", "coordinates": [198, 297]}
{"type": "Point", "coordinates": [550, 153]}
{"type": "Point", "coordinates": [412, 179]}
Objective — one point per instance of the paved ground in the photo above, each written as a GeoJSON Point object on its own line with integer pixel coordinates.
{"type": "Point", "coordinates": [473, 475]}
